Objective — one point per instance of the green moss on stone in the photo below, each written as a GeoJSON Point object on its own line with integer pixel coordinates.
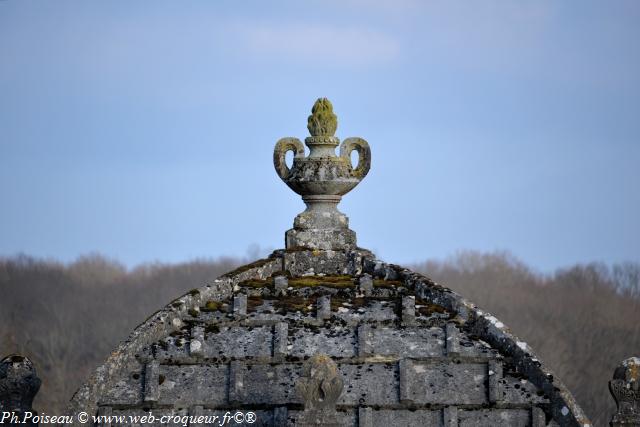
{"type": "Point", "coordinates": [254, 302]}
{"type": "Point", "coordinates": [429, 309]}
{"type": "Point", "coordinates": [211, 306]}
{"type": "Point", "coordinates": [380, 283]}
{"type": "Point", "coordinates": [293, 304]}
{"type": "Point", "coordinates": [337, 282]}
{"type": "Point", "coordinates": [322, 121]}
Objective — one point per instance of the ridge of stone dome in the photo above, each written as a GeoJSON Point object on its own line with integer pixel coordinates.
{"type": "Point", "coordinates": [405, 347]}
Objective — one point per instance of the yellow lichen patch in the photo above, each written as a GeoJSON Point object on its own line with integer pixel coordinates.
{"type": "Point", "coordinates": [634, 370]}
{"type": "Point", "coordinates": [211, 306]}
{"type": "Point", "coordinates": [338, 282]}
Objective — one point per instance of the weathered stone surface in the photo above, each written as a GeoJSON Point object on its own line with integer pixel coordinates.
{"type": "Point", "coordinates": [239, 342]}
{"type": "Point", "coordinates": [338, 342]}
{"type": "Point", "coordinates": [240, 306]}
{"type": "Point", "coordinates": [439, 383]}
{"type": "Point", "coordinates": [450, 416]}
{"type": "Point", "coordinates": [494, 418]}
{"type": "Point", "coordinates": [151, 382]}
{"type": "Point", "coordinates": [517, 390]}
{"type": "Point", "coordinates": [369, 383]}
{"type": "Point", "coordinates": [377, 311]}
{"type": "Point", "coordinates": [365, 285]}
{"type": "Point", "coordinates": [280, 341]}
{"type": "Point", "coordinates": [280, 283]}
{"type": "Point", "coordinates": [197, 342]}
{"type": "Point", "coordinates": [407, 342]}
{"type": "Point", "coordinates": [320, 239]}
{"type": "Point", "coordinates": [127, 390]}
{"type": "Point", "coordinates": [496, 381]}
{"type": "Point", "coordinates": [185, 385]}
{"type": "Point", "coordinates": [409, 310]}
{"type": "Point", "coordinates": [538, 418]}
{"type": "Point", "coordinates": [453, 340]}
{"type": "Point", "coordinates": [329, 262]}
{"type": "Point", "coordinates": [387, 417]}
{"type": "Point", "coordinates": [343, 418]}
{"type": "Point", "coordinates": [323, 307]}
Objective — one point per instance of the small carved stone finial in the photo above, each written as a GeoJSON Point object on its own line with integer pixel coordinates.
{"type": "Point", "coordinates": [322, 121]}
{"type": "Point", "coordinates": [19, 384]}
{"type": "Point", "coordinates": [320, 387]}
{"type": "Point", "coordinates": [625, 388]}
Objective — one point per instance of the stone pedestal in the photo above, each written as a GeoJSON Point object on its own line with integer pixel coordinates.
{"type": "Point", "coordinates": [321, 226]}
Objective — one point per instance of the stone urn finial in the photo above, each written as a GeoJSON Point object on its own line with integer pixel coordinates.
{"type": "Point", "coordinates": [19, 384]}
{"type": "Point", "coordinates": [322, 178]}
{"type": "Point", "coordinates": [625, 388]}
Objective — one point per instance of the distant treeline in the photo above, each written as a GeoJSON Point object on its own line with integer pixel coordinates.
{"type": "Point", "coordinates": [582, 321]}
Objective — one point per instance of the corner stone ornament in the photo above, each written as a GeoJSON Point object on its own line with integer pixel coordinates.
{"type": "Point", "coordinates": [625, 388]}
{"type": "Point", "coordinates": [320, 387]}
{"type": "Point", "coordinates": [322, 178]}
{"type": "Point", "coordinates": [19, 384]}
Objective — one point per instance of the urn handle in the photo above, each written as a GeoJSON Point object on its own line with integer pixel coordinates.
{"type": "Point", "coordinates": [364, 155]}
{"type": "Point", "coordinates": [279, 152]}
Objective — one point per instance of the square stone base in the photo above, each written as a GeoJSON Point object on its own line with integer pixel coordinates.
{"type": "Point", "coordinates": [327, 240]}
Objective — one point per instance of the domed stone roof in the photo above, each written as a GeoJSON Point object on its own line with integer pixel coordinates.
{"type": "Point", "coordinates": [324, 333]}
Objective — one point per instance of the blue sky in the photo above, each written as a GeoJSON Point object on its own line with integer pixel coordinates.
{"type": "Point", "coordinates": [144, 130]}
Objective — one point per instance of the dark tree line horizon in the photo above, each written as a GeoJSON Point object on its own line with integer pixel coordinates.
{"type": "Point", "coordinates": [581, 320]}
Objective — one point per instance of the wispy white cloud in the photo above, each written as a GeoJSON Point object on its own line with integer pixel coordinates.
{"type": "Point", "coordinates": [326, 45]}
